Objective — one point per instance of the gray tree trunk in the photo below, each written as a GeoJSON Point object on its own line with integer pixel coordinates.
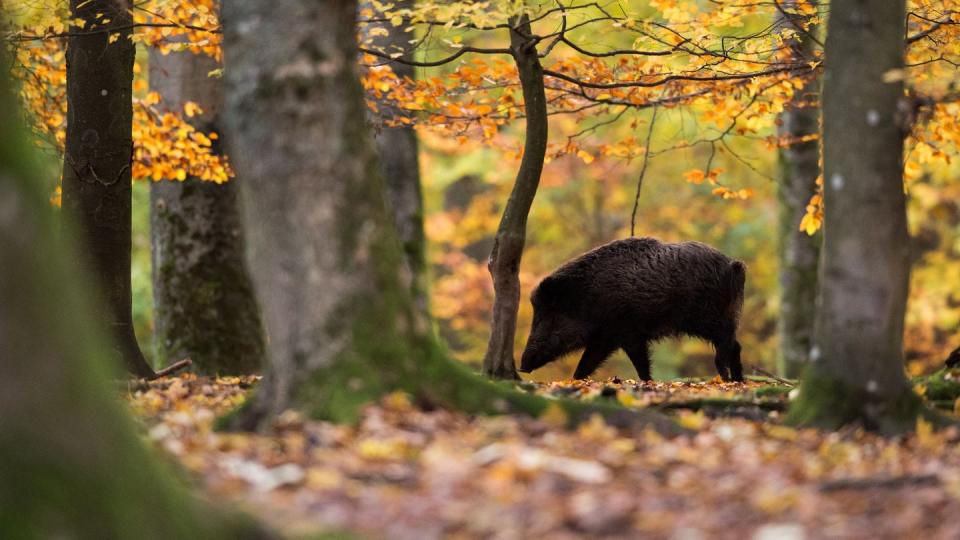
{"type": "Point", "coordinates": [205, 308]}
{"type": "Point", "coordinates": [799, 252]}
{"type": "Point", "coordinates": [504, 264]}
{"type": "Point", "coordinates": [399, 154]}
{"type": "Point", "coordinates": [325, 256]}
{"type": "Point", "coordinates": [857, 373]}
{"type": "Point", "coordinates": [97, 158]}
{"type": "Point", "coordinates": [71, 462]}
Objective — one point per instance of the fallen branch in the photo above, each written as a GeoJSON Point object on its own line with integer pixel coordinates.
{"type": "Point", "coordinates": [894, 482]}
{"type": "Point", "coordinates": [721, 403]}
{"type": "Point", "coordinates": [770, 375]}
{"type": "Point", "coordinates": [173, 368]}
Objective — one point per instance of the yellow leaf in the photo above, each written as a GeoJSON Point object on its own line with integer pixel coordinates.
{"type": "Point", "coordinates": [695, 176]}
{"type": "Point", "coordinates": [783, 433]}
{"type": "Point", "coordinates": [692, 420]}
{"type": "Point", "coordinates": [894, 75]}
{"type": "Point", "coordinates": [925, 434]}
{"type": "Point", "coordinates": [191, 109]}
{"type": "Point", "coordinates": [555, 415]}
{"type": "Point", "coordinates": [585, 156]}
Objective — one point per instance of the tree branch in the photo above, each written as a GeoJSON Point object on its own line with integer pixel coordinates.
{"type": "Point", "coordinates": [433, 63]}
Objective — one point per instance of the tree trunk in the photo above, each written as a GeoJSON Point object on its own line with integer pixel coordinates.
{"type": "Point", "coordinates": [99, 149]}
{"type": "Point", "coordinates": [856, 373]}
{"type": "Point", "coordinates": [325, 256]}
{"type": "Point", "coordinates": [504, 264]}
{"type": "Point", "coordinates": [71, 462]}
{"type": "Point", "coordinates": [204, 303]}
{"type": "Point", "coordinates": [400, 162]}
{"type": "Point", "coordinates": [799, 252]}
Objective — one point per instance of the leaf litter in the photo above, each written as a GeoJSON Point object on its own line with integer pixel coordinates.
{"type": "Point", "coordinates": [402, 472]}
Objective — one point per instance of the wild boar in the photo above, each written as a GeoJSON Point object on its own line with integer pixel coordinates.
{"type": "Point", "coordinates": [954, 359]}
{"type": "Point", "coordinates": [631, 292]}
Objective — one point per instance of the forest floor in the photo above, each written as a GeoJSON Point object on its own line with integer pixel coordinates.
{"type": "Point", "coordinates": [409, 474]}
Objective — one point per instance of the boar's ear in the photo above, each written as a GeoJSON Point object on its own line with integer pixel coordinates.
{"type": "Point", "coordinates": [551, 292]}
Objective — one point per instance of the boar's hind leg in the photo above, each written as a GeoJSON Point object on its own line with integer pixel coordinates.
{"type": "Point", "coordinates": [596, 352]}
{"type": "Point", "coordinates": [639, 354]}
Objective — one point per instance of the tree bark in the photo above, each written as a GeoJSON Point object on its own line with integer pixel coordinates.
{"type": "Point", "coordinates": [856, 373]}
{"type": "Point", "coordinates": [799, 252]}
{"type": "Point", "coordinates": [96, 170]}
{"type": "Point", "coordinates": [325, 256]}
{"type": "Point", "coordinates": [203, 296]}
{"type": "Point", "coordinates": [399, 154]}
{"type": "Point", "coordinates": [71, 462]}
{"type": "Point", "coordinates": [504, 264]}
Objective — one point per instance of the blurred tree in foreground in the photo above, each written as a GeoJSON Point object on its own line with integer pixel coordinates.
{"type": "Point", "coordinates": [71, 463]}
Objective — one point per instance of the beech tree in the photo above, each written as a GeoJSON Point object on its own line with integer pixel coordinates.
{"type": "Point", "coordinates": [799, 170]}
{"type": "Point", "coordinates": [205, 307]}
{"type": "Point", "coordinates": [856, 373]}
{"type": "Point", "coordinates": [398, 150]}
{"type": "Point", "coordinates": [325, 257]}
{"type": "Point", "coordinates": [71, 461]}
{"type": "Point", "coordinates": [97, 160]}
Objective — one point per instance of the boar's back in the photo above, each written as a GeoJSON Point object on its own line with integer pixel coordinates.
{"type": "Point", "coordinates": [646, 282]}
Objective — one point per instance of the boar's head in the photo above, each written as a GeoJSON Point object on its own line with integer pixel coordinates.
{"type": "Point", "coordinates": [556, 330]}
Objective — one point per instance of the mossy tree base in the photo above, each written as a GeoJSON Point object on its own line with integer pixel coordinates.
{"type": "Point", "coordinates": [831, 404]}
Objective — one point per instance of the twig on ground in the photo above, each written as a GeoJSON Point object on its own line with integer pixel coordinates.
{"type": "Point", "coordinates": [173, 368]}
{"type": "Point", "coordinates": [889, 482]}
{"type": "Point", "coordinates": [773, 376]}
{"type": "Point", "coordinates": [721, 403]}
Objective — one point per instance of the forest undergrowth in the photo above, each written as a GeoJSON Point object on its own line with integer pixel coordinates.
{"type": "Point", "coordinates": [404, 472]}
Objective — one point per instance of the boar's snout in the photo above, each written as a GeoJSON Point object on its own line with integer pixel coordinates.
{"type": "Point", "coordinates": [527, 363]}
{"type": "Point", "coordinates": [535, 353]}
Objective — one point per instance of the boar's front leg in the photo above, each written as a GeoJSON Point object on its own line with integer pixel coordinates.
{"type": "Point", "coordinates": [728, 359]}
{"type": "Point", "coordinates": [596, 352]}
{"type": "Point", "coordinates": [639, 353]}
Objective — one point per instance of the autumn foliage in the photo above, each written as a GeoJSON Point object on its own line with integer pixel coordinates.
{"type": "Point", "coordinates": [688, 93]}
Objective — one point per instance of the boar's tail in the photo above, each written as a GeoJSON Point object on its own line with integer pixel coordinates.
{"type": "Point", "coordinates": [737, 280]}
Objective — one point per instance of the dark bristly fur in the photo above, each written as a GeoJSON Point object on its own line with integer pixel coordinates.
{"type": "Point", "coordinates": [630, 292]}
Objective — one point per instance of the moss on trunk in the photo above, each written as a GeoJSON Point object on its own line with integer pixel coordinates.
{"type": "Point", "coordinates": [828, 403]}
